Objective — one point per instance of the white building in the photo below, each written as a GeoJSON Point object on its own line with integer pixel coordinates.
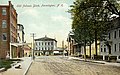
{"type": "Point", "coordinates": [45, 46]}
{"type": "Point", "coordinates": [20, 30]}
{"type": "Point", "coordinates": [20, 39]}
{"type": "Point", "coordinates": [111, 47]}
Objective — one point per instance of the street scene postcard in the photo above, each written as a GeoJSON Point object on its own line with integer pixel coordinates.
{"type": "Point", "coordinates": [59, 37]}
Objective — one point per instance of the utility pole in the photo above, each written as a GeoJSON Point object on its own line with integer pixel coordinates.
{"type": "Point", "coordinates": [33, 35]}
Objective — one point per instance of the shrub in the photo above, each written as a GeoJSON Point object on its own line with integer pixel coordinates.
{"type": "Point", "coordinates": [98, 57]}
{"type": "Point", "coordinates": [14, 60]}
{"type": "Point", "coordinates": [5, 64]}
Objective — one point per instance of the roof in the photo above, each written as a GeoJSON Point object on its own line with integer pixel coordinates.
{"type": "Point", "coordinates": [45, 39]}
{"type": "Point", "coordinates": [27, 48]}
{"type": "Point", "coordinates": [115, 24]}
{"type": "Point", "coordinates": [21, 25]}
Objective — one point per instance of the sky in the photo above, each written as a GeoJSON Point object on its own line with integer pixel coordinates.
{"type": "Point", "coordinates": [44, 17]}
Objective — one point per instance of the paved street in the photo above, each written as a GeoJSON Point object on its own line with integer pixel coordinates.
{"type": "Point", "coordinates": [59, 65]}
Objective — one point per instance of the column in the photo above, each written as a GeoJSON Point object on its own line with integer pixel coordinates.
{"type": "Point", "coordinates": [10, 52]}
{"type": "Point", "coordinates": [103, 57]}
{"type": "Point", "coordinates": [117, 57]}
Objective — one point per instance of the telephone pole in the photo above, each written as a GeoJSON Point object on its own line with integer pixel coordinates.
{"type": "Point", "coordinates": [33, 35]}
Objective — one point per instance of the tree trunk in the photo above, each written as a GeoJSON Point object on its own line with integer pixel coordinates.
{"type": "Point", "coordinates": [79, 49]}
{"type": "Point", "coordinates": [85, 50]}
{"type": "Point", "coordinates": [95, 42]}
{"type": "Point", "coordinates": [90, 49]}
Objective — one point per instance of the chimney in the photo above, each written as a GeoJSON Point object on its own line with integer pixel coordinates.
{"type": "Point", "coordinates": [9, 3]}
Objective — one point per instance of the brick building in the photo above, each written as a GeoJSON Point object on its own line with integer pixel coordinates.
{"type": "Point", "coordinates": [8, 30]}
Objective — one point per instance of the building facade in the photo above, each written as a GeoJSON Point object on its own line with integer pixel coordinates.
{"type": "Point", "coordinates": [27, 51]}
{"type": "Point", "coordinates": [45, 46]}
{"type": "Point", "coordinates": [8, 30]}
{"type": "Point", "coordinates": [111, 47]}
{"type": "Point", "coordinates": [76, 49]}
{"type": "Point", "coordinates": [20, 30]}
{"type": "Point", "coordinates": [73, 48]}
{"type": "Point", "coordinates": [20, 39]}
{"type": "Point", "coordinates": [58, 51]}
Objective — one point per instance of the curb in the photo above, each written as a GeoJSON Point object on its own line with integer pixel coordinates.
{"type": "Point", "coordinates": [27, 68]}
{"type": "Point", "coordinates": [92, 61]}
{"type": "Point", "coordinates": [98, 62]}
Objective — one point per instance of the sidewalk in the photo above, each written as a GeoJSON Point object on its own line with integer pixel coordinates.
{"type": "Point", "coordinates": [95, 61]}
{"type": "Point", "coordinates": [25, 64]}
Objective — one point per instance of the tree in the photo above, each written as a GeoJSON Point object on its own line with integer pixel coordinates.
{"type": "Point", "coordinates": [91, 19]}
{"type": "Point", "coordinates": [82, 31]}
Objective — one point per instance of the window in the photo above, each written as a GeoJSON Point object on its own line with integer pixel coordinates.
{"type": "Point", "coordinates": [42, 49]}
{"type": "Point", "coordinates": [115, 34]}
{"type": "Point", "coordinates": [45, 48]}
{"type": "Point", "coordinates": [36, 48]}
{"type": "Point", "coordinates": [48, 48]}
{"type": "Point", "coordinates": [104, 49]}
{"type": "Point", "coordinates": [109, 36]}
{"type": "Point", "coordinates": [4, 36]}
{"type": "Point", "coordinates": [4, 11]}
{"type": "Point", "coordinates": [51, 48]}
{"type": "Point", "coordinates": [101, 49]}
{"type": "Point", "coordinates": [42, 43]}
{"type": "Point", "coordinates": [4, 24]}
{"type": "Point", "coordinates": [115, 47]}
{"type": "Point", "coordinates": [39, 48]}
{"type": "Point", "coordinates": [39, 43]}
{"type": "Point", "coordinates": [48, 43]}
{"type": "Point", "coordinates": [21, 27]}
{"type": "Point", "coordinates": [119, 57]}
{"type": "Point", "coordinates": [51, 43]}
{"type": "Point", "coordinates": [36, 43]}
{"type": "Point", "coordinates": [45, 43]}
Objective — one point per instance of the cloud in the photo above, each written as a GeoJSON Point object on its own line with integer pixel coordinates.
{"type": "Point", "coordinates": [30, 12]}
{"type": "Point", "coordinates": [59, 18]}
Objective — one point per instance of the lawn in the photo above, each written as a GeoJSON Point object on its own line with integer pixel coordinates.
{"type": "Point", "coordinates": [7, 63]}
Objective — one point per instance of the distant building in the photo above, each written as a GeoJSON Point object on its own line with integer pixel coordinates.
{"type": "Point", "coordinates": [73, 47]}
{"type": "Point", "coordinates": [76, 49]}
{"type": "Point", "coordinates": [58, 51]}
{"type": "Point", "coordinates": [111, 47]}
{"type": "Point", "coordinates": [8, 31]}
{"type": "Point", "coordinates": [20, 39]}
{"type": "Point", "coordinates": [45, 46]}
{"type": "Point", "coordinates": [27, 51]}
